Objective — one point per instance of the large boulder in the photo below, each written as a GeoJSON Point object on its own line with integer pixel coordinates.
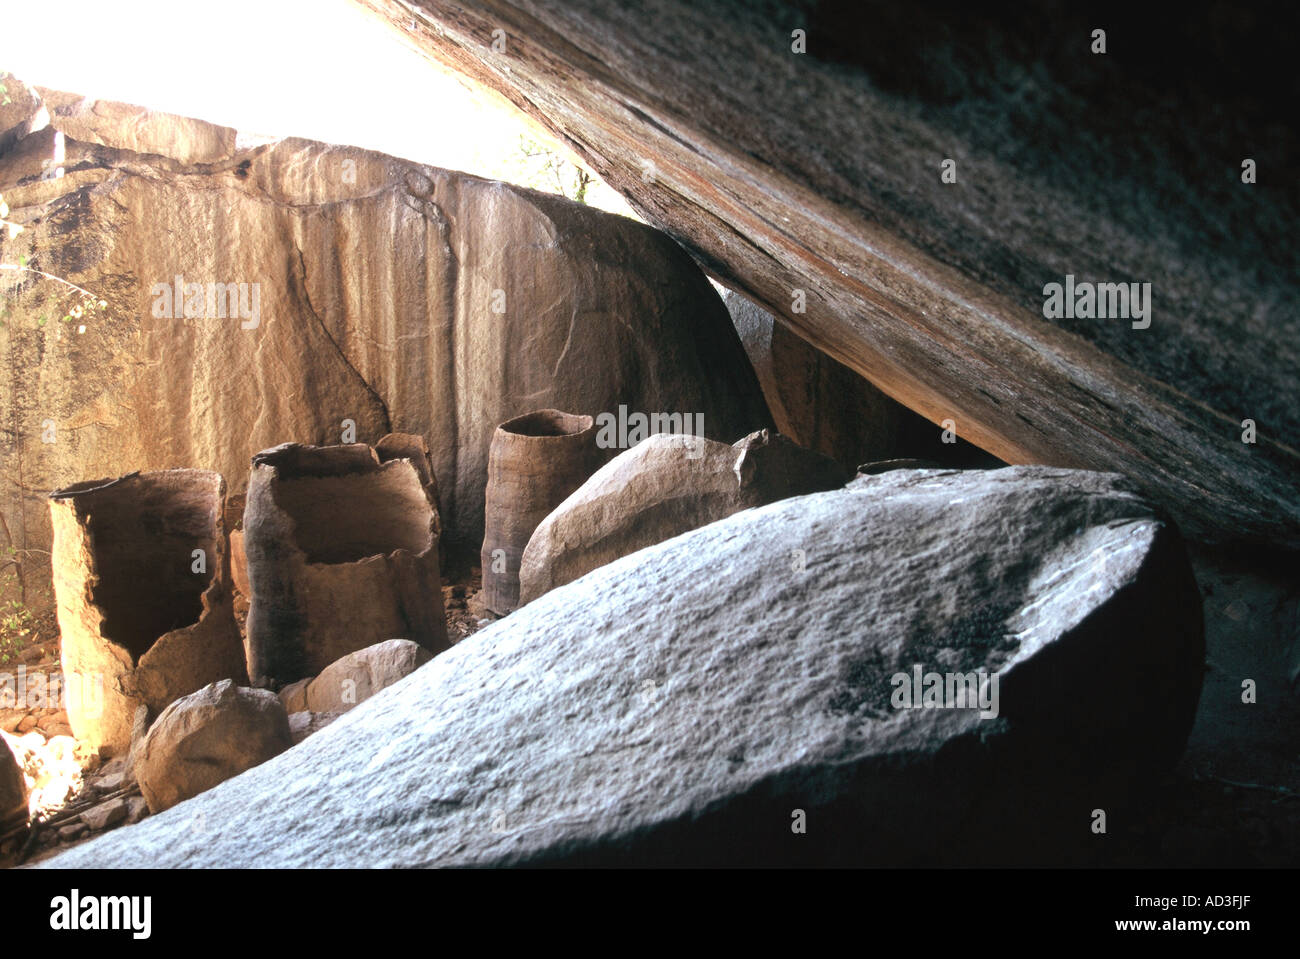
{"type": "Point", "coordinates": [733, 696]}
{"type": "Point", "coordinates": [358, 676]}
{"type": "Point", "coordinates": [207, 737]}
{"type": "Point", "coordinates": [662, 487]}
{"type": "Point", "coordinates": [360, 295]}
{"type": "Point", "coordinates": [315, 702]}
{"type": "Point", "coordinates": [901, 189]}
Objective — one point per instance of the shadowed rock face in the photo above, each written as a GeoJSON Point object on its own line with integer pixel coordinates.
{"type": "Point", "coordinates": [825, 406]}
{"type": "Point", "coordinates": [820, 173]}
{"type": "Point", "coordinates": [13, 787]}
{"type": "Point", "coordinates": [393, 295]}
{"type": "Point", "coordinates": [680, 704]}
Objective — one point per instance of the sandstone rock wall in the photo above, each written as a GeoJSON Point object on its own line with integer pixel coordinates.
{"type": "Point", "coordinates": [377, 294]}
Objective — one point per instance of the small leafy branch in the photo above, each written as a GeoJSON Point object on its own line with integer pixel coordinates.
{"type": "Point", "coordinates": [548, 165]}
{"type": "Point", "coordinates": [16, 626]}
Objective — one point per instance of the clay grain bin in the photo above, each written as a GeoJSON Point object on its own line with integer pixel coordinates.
{"type": "Point", "coordinates": [535, 462]}
{"type": "Point", "coordinates": [141, 580]}
{"type": "Point", "coordinates": [342, 553]}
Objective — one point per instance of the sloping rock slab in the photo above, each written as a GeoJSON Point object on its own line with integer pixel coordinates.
{"type": "Point", "coordinates": [812, 183]}
{"type": "Point", "coordinates": [683, 704]}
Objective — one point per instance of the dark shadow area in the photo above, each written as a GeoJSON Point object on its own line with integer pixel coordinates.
{"type": "Point", "coordinates": [144, 531]}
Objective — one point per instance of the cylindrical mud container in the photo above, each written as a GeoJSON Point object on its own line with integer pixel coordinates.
{"type": "Point", "coordinates": [535, 462]}
{"type": "Point", "coordinates": [142, 584]}
{"type": "Point", "coordinates": [342, 553]}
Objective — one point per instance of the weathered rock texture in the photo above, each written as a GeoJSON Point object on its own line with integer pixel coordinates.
{"type": "Point", "coordinates": [206, 738]}
{"type": "Point", "coordinates": [23, 114]}
{"type": "Point", "coordinates": [303, 724]}
{"type": "Point", "coordinates": [143, 619]}
{"type": "Point", "coordinates": [661, 488]}
{"type": "Point", "coordinates": [105, 815]}
{"type": "Point", "coordinates": [825, 406]}
{"type": "Point", "coordinates": [342, 553]}
{"type": "Point", "coordinates": [294, 695]}
{"type": "Point", "coordinates": [820, 172]}
{"type": "Point", "coordinates": [680, 704]}
{"type": "Point", "coordinates": [536, 461]}
{"type": "Point", "coordinates": [378, 284]}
